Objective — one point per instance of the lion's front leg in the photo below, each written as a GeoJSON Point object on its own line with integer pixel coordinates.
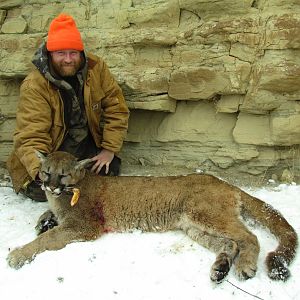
{"type": "Point", "coordinates": [54, 239]}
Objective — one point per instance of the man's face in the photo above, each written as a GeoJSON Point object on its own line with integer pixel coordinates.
{"type": "Point", "coordinates": [66, 62]}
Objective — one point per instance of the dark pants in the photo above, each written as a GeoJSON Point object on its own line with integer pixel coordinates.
{"type": "Point", "coordinates": [114, 168]}
{"type": "Point", "coordinates": [34, 191]}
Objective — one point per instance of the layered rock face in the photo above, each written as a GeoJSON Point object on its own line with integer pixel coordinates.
{"type": "Point", "coordinates": [212, 85]}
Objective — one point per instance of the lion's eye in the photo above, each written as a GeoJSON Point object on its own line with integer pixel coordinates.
{"type": "Point", "coordinates": [63, 175]}
{"type": "Point", "coordinates": [45, 173]}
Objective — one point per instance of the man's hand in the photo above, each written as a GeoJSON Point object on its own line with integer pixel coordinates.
{"type": "Point", "coordinates": [104, 158]}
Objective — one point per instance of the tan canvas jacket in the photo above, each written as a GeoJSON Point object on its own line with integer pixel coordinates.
{"type": "Point", "coordinates": [40, 118]}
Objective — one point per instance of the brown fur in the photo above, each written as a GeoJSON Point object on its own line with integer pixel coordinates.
{"type": "Point", "coordinates": [206, 208]}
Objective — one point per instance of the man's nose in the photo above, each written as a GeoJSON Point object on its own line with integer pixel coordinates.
{"type": "Point", "coordinates": [68, 57]}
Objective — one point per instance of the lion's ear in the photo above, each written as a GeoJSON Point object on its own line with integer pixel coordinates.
{"type": "Point", "coordinates": [40, 155]}
{"type": "Point", "coordinates": [85, 163]}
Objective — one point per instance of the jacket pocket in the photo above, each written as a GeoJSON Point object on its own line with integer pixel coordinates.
{"type": "Point", "coordinates": [97, 95]}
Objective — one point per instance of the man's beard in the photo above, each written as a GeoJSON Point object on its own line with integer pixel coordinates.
{"type": "Point", "coordinates": [67, 69]}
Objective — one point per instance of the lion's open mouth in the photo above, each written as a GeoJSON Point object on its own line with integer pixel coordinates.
{"type": "Point", "coordinates": [56, 191]}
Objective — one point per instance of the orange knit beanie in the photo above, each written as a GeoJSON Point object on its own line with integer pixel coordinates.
{"type": "Point", "coordinates": [63, 34]}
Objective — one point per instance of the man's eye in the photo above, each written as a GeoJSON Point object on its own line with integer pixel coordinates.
{"type": "Point", "coordinates": [60, 53]}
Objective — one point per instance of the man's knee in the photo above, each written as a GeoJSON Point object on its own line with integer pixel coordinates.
{"type": "Point", "coordinates": [34, 192]}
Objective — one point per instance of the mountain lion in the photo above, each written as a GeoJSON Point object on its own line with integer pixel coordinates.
{"type": "Point", "coordinates": [206, 208]}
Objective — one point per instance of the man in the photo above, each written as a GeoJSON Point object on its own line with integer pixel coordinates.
{"type": "Point", "coordinates": [62, 104]}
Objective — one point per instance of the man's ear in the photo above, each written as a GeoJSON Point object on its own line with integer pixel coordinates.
{"type": "Point", "coordinates": [85, 163]}
{"type": "Point", "coordinates": [40, 155]}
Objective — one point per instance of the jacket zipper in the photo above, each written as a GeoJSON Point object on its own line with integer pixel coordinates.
{"type": "Point", "coordinates": [65, 131]}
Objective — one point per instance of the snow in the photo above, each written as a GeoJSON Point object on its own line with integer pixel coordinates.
{"type": "Point", "coordinates": [135, 266]}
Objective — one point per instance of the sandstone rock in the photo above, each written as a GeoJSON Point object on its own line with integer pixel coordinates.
{"type": "Point", "coordinates": [13, 62]}
{"type": "Point", "coordinates": [262, 164]}
{"type": "Point", "coordinates": [228, 155]}
{"type": "Point", "coordinates": [150, 81]}
{"type": "Point", "coordinates": [7, 4]}
{"type": "Point", "coordinates": [5, 150]}
{"type": "Point", "coordinates": [285, 129]}
{"type": "Point", "coordinates": [229, 103]}
{"type": "Point", "coordinates": [8, 106]}
{"type": "Point", "coordinates": [166, 14]}
{"type": "Point", "coordinates": [143, 126]}
{"type": "Point", "coordinates": [208, 9]}
{"type": "Point", "coordinates": [39, 17]}
{"type": "Point", "coordinates": [9, 87]}
{"type": "Point", "coordinates": [243, 52]}
{"type": "Point", "coordinates": [2, 16]}
{"type": "Point", "coordinates": [8, 99]}
{"type": "Point", "coordinates": [253, 130]}
{"type": "Point", "coordinates": [14, 25]}
{"type": "Point", "coordinates": [266, 4]}
{"type": "Point", "coordinates": [193, 83]}
{"type": "Point", "coordinates": [287, 176]}
{"type": "Point", "coordinates": [237, 152]}
{"type": "Point", "coordinates": [274, 79]}
{"type": "Point", "coordinates": [283, 31]}
{"type": "Point", "coordinates": [7, 129]}
{"type": "Point", "coordinates": [203, 71]}
{"type": "Point", "coordinates": [196, 121]}
{"type": "Point", "coordinates": [158, 103]}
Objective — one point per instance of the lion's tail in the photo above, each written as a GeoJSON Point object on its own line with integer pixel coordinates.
{"type": "Point", "coordinates": [277, 260]}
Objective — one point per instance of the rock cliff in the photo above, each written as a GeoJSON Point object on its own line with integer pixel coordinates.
{"type": "Point", "coordinates": [212, 85]}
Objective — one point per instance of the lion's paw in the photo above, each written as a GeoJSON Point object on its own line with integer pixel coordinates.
{"type": "Point", "coordinates": [220, 268]}
{"type": "Point", "coordinates": [245, 271]}
{"type": "Point", "coordinates": [17, 258]}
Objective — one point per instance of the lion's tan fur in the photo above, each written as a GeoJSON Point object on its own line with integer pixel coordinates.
{"type": "Point", "coordinates": [206, 208]}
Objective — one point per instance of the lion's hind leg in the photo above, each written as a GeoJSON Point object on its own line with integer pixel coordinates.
{"type": "Point", "coordinates": [226, 249]}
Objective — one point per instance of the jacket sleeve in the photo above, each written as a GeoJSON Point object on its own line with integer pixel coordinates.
{"type": "Point", "coordinates": [115, 112]}
{"type": "Point", "coordinates": [33, 126]}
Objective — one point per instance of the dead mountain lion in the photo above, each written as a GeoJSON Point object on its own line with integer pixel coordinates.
{"type": "Point", "coordinates": [207, 209]}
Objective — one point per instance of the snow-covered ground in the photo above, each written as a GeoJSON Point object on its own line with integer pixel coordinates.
{"type": "Point", "coordinates": [134, 266]}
